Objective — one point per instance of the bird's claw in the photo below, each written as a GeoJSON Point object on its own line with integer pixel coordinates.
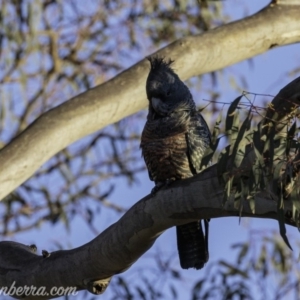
{"type": "Point", "coordinates": [161, 184]}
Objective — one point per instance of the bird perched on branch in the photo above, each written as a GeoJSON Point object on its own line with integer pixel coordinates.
{"type": "Point", "coordinates": [173, 143]}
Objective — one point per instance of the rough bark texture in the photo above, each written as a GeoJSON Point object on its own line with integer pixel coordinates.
{"type": "Point", "coordinates": [124, 95]}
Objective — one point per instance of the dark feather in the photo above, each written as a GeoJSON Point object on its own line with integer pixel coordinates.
{"type": "Point", "coordinates": [192, 245]}
{"type": "Point", "coordinates": [157, 63]}
{"type": "Point", "coordinates": [198, 140]}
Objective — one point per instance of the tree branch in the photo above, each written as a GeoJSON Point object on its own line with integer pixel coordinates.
{"type": "Point", "coordinates": [124, 95]}
{"type": "Point", "coordinates": [120, 245]}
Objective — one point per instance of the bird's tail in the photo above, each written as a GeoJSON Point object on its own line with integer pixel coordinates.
{"type": "Point", "coordinates": [192, 244]}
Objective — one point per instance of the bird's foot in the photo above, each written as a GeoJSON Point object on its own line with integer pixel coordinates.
{"type": "Point", "coordinates": [160, 184]}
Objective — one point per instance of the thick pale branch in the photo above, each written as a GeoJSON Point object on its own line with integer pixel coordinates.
{"type": "Point", "coordinates": [120, 245]}
{"type": "Point", "coordinates": [124, 95]}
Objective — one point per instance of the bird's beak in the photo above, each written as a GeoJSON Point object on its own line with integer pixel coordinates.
{"type": "Point", "coordinates": [156, 103]}
{"type": "Point", "coordinates": [159, 106]}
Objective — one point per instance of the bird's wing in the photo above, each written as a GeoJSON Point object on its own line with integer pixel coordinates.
{"type": "Point", "coordinates": [198, 140]}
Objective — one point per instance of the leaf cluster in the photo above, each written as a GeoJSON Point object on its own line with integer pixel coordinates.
{"type": "Point", "coordinates": [259, 159]}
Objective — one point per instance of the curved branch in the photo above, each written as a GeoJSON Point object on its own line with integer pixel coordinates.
{"type": "Point", "coordinates": [124, 95]}
{"type": "Point", "coordinates": [119, 246]}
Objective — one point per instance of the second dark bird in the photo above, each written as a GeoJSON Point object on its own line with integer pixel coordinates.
{"type": "Point", "coordinates": [173, 143]}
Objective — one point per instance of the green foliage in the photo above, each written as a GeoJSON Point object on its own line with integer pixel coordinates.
{"type": "Point", "coordinates": [274, 169]}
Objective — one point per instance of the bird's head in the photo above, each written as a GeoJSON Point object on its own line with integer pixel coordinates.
{"type": "Point", "coordinates": [165, 91]}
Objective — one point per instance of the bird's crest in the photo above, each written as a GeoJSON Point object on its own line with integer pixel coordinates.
{"type": "Point", "coordinates": [159, 64]}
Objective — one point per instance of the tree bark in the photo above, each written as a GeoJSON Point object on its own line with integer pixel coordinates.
{"type": "Point", "coordinates": [119, 246]}
{"type": "Point", "coordinates": [92, 265]}
{"type": "Point", "coordinates": [275, 25]}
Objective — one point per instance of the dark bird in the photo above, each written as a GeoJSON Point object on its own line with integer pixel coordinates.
{"type": "Point", "coordinates": [173, 143]}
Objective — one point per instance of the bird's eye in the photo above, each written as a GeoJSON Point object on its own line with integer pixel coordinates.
{"type": "Point", "coordinates": [168, 93]}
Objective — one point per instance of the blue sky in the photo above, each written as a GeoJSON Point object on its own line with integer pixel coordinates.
{"type": "Point", "coordinates": [266, 74]}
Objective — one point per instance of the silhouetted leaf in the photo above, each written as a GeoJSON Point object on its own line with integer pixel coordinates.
{"type": "Point", "coordinates": [232, 120]}
{"type": "Point", "coordinates": [281, 222]}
